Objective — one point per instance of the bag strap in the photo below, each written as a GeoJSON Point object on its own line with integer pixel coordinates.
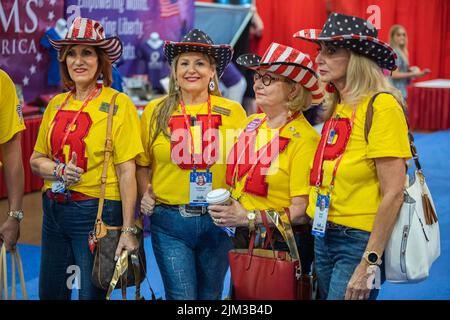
{"type": "Point", "coordinates": [3, 273]}
{"type": "Point", "coordinates": [15, 258]}
{"type": "Point", "coordinates": [368, 126]}
{"type": "Point", "coordinates": [99, 229]}
{"type": "Point", "coordinates": [281, 220]}
{"type": "Point", "coordinates": [269, 239]}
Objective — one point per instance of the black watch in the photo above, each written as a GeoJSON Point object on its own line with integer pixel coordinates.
{"type": "Point", "coordinates": [372, 258]}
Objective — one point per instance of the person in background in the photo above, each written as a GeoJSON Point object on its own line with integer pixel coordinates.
{"type": "Point", "coordinates": [11, 126]}
{"type": "Point", "coordinates": [185, 134]}
{"type": "Point", "coordinates": [69, 156]}
{"type": "Point", "coordinates": [234, 84]}
{"type": "Point", "coordinates": [361, 181]}
{"type": "Point", "coordinates": [402, 76]}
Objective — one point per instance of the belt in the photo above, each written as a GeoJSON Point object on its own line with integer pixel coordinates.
{"type": "Point", "coordinates": [68, 196]}
{"type": "Point", "coordinates": [196, 210]}
{"type": "Point", "coordinates": [332, 225]}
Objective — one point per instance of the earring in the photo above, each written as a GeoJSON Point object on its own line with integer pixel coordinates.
{"type": "Point", "coordinates": [212, 85]}
{"type": "Point", "coordinates": [177, 87]}
{"type": "Point", "coordinates": [330, 88]}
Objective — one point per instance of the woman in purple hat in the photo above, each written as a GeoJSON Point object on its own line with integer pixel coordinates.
{"type": "Point", "coordinates": [69, 156]}
{"type": "Point", "coordinates": [359, 173]}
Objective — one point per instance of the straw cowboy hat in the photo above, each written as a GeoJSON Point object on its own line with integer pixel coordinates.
{"type": "Point", "coordinates": [355, 34]}
{"type": "Point", "coordinates": [198, 41]}
{"type": "Point", "coordinates": [90, 32]}
{"type": "Point", "coordinates": [287, 62]}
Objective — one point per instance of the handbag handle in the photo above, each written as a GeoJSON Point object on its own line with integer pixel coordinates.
{"type": "Point", "coordinates": [100, 231]}
{"type": "Point", "coordinates": [15, 257]}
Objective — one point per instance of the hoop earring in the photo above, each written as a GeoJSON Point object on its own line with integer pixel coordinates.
{"type": "Point", "coordinates": [212, 85]}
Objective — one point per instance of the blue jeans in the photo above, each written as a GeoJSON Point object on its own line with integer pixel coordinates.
{"type": "Point", "coordinates": [65, 249]}
{"type": "Point", "coordinates": [192, 254]}
{"type": "Point", "coordinates": [337, 256]}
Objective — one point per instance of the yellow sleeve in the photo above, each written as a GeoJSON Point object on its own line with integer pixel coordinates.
{"type": "Point", "coordinates": [11, 117]}
{"type": "Point", "coordinates": [126, 140]}
{"type": "Point", "coordinates": [388, 136]}
{"type": "Point", "coordinates": [144, 159]}
{"type": "Point", "coordinates": [300, 168]}
{"type": "Point", "coordinates": [41, 145]}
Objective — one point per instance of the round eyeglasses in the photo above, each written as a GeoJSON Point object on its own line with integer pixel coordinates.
{"type": "Point", "coordinates": [267, 78]}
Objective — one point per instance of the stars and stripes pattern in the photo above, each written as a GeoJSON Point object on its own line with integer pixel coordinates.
{"type": "Point", "coordinates": [169, 8]}
{"type": "Point", "coordinates": [198, 41]}
{"type": "Point", "coordinates": [355, 34]}
{"type": "Point", "coordinates": [90, 32]}
{"type": "Point", "coordinates": [288, 62]}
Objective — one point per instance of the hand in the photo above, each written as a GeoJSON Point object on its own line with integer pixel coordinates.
{"type": "Point", "coordinates": [10, 233]}
{"type": "Point", "coordinates": [360, 284]}
{"type": "Point", "coordinates": [148, 201]}
{"type": "Point", "coordinates": [127, 242]}
{"type": "Point", "coordinates": [72, 173]}
{"type": "Point", "coordinates": [233, 215]}
{"type": "Point", "coordinates": [426, 71]}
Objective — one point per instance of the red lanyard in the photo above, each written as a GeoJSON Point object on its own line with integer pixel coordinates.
{"type": "Point", "coordinates": [261, 153]}
{"type": "Point", "coordinates": [322, 151]}
{"type": "Point", "coordinates": [70, 126]}
{"type": "Point", "coordinates": [188, 126]}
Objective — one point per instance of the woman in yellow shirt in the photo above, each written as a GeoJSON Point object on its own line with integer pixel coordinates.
{"type": "Point", "coordinates": [185, 135]}
{"type": "Point", "coordinates": [285, 85]}
{"type": "Point", "coordinates": [69, 155]}
{"type": "Point", "coordinates": [358, 184]}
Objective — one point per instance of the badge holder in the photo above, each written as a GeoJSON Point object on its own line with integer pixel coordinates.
{"type": "Point", "coordinates": [321, 214]}
{"type": "Point", "coordinates": [200, 184]}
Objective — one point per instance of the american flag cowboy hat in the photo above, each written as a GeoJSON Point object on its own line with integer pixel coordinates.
{"type": "Point", "coordinates": [355, 34]}
{"type": "Point", "coordinates": [198, 41]}
{"type": "Point", "coordinates": [287, 62]}
{"type": "Point", "coordinates": [90, 32]}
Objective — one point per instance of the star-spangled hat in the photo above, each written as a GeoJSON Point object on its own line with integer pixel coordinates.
{"type": "Point", "coordinates": [90, 32]}
{"type": "Point", "coordinates": [355, 34]}
{"type": "Point", "coordinates": [287, 62]}
{"type": "Point", "coordinates": [198, 41]}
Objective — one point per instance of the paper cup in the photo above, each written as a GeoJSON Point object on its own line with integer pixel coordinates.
{"type": "Point", "coordinates": [219, 196]}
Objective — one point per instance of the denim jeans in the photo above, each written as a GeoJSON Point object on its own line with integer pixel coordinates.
{"type": "Point", "coordinates": [65, 249]}
{"type": "Point", "coordinates": [191, 253]}
{"type": "Point", "coordinates": [337, 256]}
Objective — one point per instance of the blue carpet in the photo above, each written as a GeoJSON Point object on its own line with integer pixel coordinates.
{"type": "Point", "coordinates": [434, 151]}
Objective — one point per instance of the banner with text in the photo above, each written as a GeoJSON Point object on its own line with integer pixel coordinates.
{"type": "Point", "coordinates": [22, 26]}
{"type": "Point", "coordinates": [134, 21]}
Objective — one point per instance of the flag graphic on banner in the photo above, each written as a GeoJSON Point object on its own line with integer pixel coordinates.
{"type": "Point", "coordinates": [169, 8]}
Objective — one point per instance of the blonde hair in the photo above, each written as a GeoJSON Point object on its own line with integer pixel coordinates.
{"type": "Point", "coordinates": [402, 51]}
{"type": "Point", "coordinates": [301, 101]}
{"type": "Point", "coordinates": [364, 78]}
{"type": "Point", "coordinates": [167, 106]}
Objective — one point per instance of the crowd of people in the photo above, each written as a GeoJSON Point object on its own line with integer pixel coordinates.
{"type": "Point", "coordinates": [341, 191]}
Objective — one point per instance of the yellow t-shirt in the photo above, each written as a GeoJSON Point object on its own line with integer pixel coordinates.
{"type": "Point", "coordinates": [170, 173]}
{"type": "Point", "coordinates": [288, 171]}
{"type": "Point", "coordinates": [87, 139]}
{"type": "Point", "coordinates": [356, 195]}
{"type": "Point", "coordinates": [11, 117]}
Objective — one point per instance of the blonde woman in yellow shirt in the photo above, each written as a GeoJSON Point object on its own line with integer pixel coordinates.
{"type": "Point", "coordinates": [358, 184]}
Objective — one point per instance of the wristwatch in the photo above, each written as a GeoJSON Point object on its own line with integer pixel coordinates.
{"type": "Point", "coordinates": [251, 216]}
{"type": "Point", "coordinates": [372, 258]}
{"type": "Point", "coordinates": [18, 214]}
{"type": "Point", "coordinates": [132, 230]}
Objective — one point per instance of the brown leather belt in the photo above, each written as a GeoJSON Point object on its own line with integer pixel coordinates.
{"type": "Point", "coordinates": [68, 196]}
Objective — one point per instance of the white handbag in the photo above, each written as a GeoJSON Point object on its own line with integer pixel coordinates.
{"type": "Point", "coordinates": [415, 241]}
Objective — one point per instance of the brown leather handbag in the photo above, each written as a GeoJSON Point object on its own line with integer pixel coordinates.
{"type": "Point", "coordinates": [107, 237]}
{"type": "Point", "coordinates": [267, 274]}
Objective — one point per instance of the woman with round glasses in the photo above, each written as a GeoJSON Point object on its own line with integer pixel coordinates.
{"type": "Point", "coordinates": [271, 171]}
